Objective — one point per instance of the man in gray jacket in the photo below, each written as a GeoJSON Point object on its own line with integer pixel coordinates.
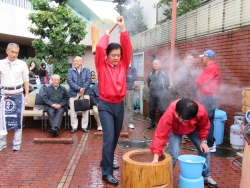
{"type": "Point", "coordinates": [158, 83]}
{"type": "Point", "coordinates": [184, 79]}
{"type": "Point", "coordinates": [56, 99]}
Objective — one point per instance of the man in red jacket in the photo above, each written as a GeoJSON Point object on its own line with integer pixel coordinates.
{"type": "Point", "coordinates": [208, 84]}
{"type": "Point", "coordinates": [183, 117]}
{"type": "Point", "coordinates": [111, 61]}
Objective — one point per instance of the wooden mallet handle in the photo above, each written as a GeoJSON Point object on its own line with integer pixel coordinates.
{"type": "Point", "coordinates": [114, 27]}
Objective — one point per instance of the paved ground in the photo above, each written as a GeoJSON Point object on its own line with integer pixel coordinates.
{"type": "Point", "coordinates": [77, 165]}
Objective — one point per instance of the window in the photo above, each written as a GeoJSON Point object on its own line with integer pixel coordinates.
{"type": "Point", "coordinates": [138, 63]}
{"type": "Point", "coordinates": [21, 3]}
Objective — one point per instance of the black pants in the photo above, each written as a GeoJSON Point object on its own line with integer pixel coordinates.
{"type": "Point", "coordinates": [55, 117]}
{"type": "Point", "coordinates": [111, 116]}
{"type": "Point", "coordinates": [210, 104]}
{"type": "Point", "coordinates": [154, 102]}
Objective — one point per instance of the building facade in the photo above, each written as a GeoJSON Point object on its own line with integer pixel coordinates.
{"type": "Point", "coordinates": [14, 25]}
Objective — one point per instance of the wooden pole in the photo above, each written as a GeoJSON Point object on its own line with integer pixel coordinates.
{"type": "Point", "coordinates": [173, 36]}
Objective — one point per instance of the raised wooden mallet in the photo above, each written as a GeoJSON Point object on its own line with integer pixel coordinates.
{"type": "Point", "coordinates": [95, 36]}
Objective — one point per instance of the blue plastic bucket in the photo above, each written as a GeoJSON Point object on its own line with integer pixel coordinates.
{"type": "Point", "coordinates": [192, 166]}
{"type": "Point", "coordinates": [190, 183]}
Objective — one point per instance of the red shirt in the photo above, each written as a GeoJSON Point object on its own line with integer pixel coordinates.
{"type": "Point", "coordinates": [112, 80]}
{"type": "Point", "coordinates": [170, 123]}
{"type": "Point", "coordinates": [209, 81]}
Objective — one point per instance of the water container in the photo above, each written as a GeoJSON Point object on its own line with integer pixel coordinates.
{"type": "Point", "coordinates": [192, 166]}
{"type": "Point", "coordinates": [219, 122]}
{"type": "Point", "coordinates": [190, 183]}
{"type": "Point", "coordinates": [248, 118]}
{"type": "Point", "coordinates": [236, 135]}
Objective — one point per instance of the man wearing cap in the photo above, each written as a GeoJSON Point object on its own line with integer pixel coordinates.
{"type": "Point", "coordinates": [208, 84]}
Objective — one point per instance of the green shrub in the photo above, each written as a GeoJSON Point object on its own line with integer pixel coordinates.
{"type": "Point", "coordinates": [146, 93]}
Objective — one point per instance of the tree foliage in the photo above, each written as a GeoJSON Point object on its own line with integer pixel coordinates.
{"type": "Point", "coordinates": [60, 32]}
{"type": "Point", "coordinates": [121, 6]}
{"type": "Point", "coordinates": [183, 6]}
{"type": "Point", "coordinates": [132, 13]}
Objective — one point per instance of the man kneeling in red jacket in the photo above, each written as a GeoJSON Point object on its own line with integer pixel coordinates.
{"type": "Point", "coordinates": [184, 117]}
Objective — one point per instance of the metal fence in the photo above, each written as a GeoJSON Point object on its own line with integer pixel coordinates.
{"type": "Point", "coordinates": [214, 17]}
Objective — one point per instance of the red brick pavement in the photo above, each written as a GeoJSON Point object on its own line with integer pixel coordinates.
{"type": "Point", "coordinates": [77, 165]}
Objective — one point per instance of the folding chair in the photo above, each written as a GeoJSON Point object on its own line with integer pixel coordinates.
{"type": "Point", "coordinates": [32, 104]}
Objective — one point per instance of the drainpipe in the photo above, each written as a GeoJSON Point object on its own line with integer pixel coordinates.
{"type": "Point", "coordinates": [173, 34]}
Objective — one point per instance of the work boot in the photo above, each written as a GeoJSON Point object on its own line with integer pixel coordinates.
{"type": "Point", "coordinates": [151, 126]}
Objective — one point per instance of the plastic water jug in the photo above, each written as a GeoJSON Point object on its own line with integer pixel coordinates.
{"type": "Point", "coordinates": [248, 118]}
{"type": "Point", "coordinates": [190, 183]}
{"type": "Point", "coordinates": [219, 122]}
{"type": "Point", "coordinates": [236, 135]}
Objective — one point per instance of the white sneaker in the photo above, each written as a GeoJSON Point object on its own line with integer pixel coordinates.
{"type": "Point", "coordinates": [213, 148]}
{"type": "Point", "coordinates": [210, 182]}
{"type": "Point", "coordinates": [3, 148]}
{"type": "Point", "coordinates": [16, 148]}
{"type": "Point", "coordinates": [131, 126]}
{"type": "Point", "coordinates": [99, 128]}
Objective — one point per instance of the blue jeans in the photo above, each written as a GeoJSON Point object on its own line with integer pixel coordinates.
{"type": "Point", "coordinates": [175, 145]}
{"type": "Point", "coordinates": [210, 104]}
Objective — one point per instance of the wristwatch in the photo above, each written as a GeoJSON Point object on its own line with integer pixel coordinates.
{"type": "Point", "coordinates": [204, 141]}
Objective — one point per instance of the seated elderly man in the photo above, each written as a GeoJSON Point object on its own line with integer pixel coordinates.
{"type": "Point", "coordinates": [55, 98]}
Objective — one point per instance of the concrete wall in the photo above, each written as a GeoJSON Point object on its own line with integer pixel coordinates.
{"type": "Point", "coordinates": [88, 59]}
{"type": "Point", "coordinates": [14, 20]}
{"type": "Point", "coordinates": [232, 56]}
